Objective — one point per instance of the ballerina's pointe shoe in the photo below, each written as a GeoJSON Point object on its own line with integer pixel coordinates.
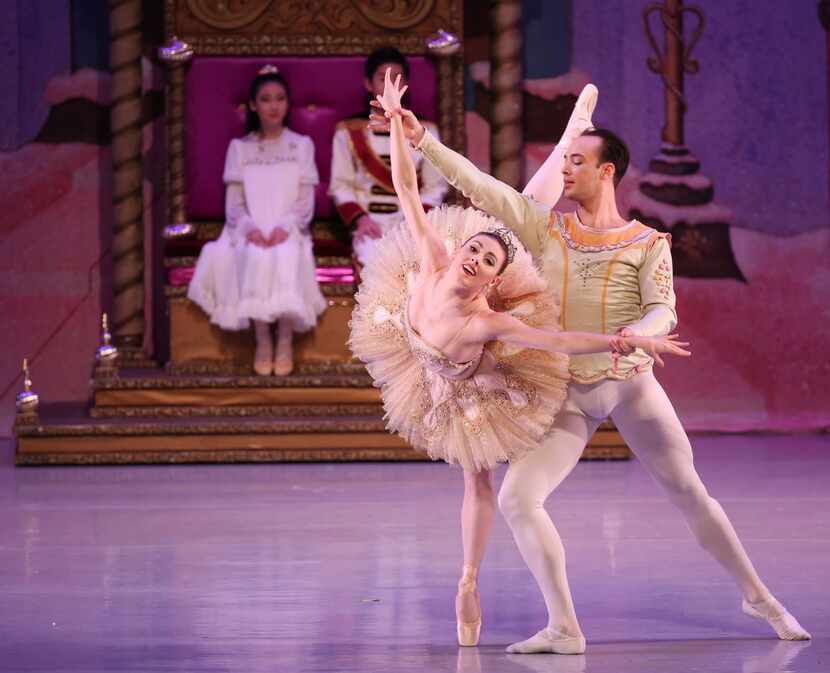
{"type": "Point", "coordinates": [468, 631]}
{"type": "Point", "coordinates": [549, 641]}
{"type": "Point", "coordinates": [777, 616]}
{"type": "Point", "coordinates": [580, 119]}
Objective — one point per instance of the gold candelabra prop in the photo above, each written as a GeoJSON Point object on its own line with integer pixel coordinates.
{"type": "Point", "coordinates": [106, 356]}
{"type": "Point", "coordinates": [27, 400]}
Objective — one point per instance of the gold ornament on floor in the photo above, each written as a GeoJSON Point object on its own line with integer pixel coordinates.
{"type": "Point", "coordinates": [106, 357]}
{"type": "Point", "coordinates": [27, 401]}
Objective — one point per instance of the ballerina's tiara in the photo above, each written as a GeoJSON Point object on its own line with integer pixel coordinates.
{"type": "Point", "coordinates": [506, 237]}
{"type": "Point", "coordinates": [268, 70]}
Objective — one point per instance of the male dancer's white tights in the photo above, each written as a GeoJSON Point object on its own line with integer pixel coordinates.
{"type": "Point", "coordinates": [646, 419]}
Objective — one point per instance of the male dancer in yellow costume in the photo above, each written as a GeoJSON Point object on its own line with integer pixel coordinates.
{"type": "Point", "coordinates": [613, 276]}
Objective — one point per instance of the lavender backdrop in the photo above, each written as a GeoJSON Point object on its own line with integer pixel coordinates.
{"type": "Point", "coordinates": [758, 121]}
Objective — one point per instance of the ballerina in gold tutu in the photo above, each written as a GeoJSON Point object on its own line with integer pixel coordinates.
{"type": "Point", "coordinates": [457, 330]}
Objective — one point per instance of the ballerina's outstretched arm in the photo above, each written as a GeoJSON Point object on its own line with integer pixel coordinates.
{"type": "Point", "coordinates": [503, 327]}
{"type": "Point", "coordinates": [431, 251]}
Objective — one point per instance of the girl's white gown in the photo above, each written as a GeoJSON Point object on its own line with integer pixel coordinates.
{"type": "Point", "coordinates": [269, 184]}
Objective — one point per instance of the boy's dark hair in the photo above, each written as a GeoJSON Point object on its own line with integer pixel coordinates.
{"type": "Point", "coordinates": [385, 55]}
{"type": "Point", "coordinates": [252, 122]}
{"type": "Point", "coordinates": [614, 151]}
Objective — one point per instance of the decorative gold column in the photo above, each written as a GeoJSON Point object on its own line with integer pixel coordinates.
{"type": "Point", "coordinates": [128, 173]}
{"type": "Point", "coordinates": [176, 54]}
{"type": "Point", "coordinates": [672, 63]}
{"type": "Point", "coordinates": [674, 195]}
{"type": "Point", "coordinates": [445, 46]}
{"type": "Point", "coordinates": [506, 132]}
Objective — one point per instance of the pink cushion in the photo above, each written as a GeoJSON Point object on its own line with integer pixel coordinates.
{"type": "Point", "coordinates": [323, 91]}
{"type": "Point", "coordinates": [337, 275]}
{"type": "Point", "coordinates": [181, 275]}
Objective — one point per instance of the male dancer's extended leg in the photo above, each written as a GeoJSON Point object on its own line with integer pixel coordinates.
{"type": "Point", "coordinates": [547, 183]}
{"type": "Point", "coordinates": [646, 419]}
{"type": "Point", "coordinates": [526, 486]}
{"type": "Point", "coordinates": [477, 512]}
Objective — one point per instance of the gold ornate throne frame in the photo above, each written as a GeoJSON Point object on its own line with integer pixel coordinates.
{"type": "Point", "coordinates": [266, 28]}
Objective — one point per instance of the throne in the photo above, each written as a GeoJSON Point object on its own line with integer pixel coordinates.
{"type": "Point", "coordinates": [324, 90]}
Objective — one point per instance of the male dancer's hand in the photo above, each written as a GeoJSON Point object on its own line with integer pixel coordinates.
{"type": "Point", "coordinates": [626, 348]}
{"type": "Point", "coordinates": [654, 346]}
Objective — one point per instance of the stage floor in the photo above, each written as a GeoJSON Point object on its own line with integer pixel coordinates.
{"type": "Point", "coordinates": [352, 567]}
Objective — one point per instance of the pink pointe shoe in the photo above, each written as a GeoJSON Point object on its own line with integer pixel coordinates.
{"type": "Point", "coordinates": [468, 631]}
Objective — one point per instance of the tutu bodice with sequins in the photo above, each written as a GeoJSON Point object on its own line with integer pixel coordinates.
{"type": "Point", "coordinates": [490, 409]}
{"type": "Point", "coordinates": [432, 358]}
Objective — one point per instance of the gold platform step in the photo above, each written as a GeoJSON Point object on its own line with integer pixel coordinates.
{"type": "Point", "coordinates": [62, 436]}
{"type": "Point", "coordinates": [155, 387]}
{"type": "Point", "coordinates": [66, 435]}
{"type": "Point", "coordinates": [153, 416]}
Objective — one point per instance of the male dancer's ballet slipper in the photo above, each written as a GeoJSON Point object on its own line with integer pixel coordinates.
{"type": "Point", "coordinates": [574, 663]}
{"type": "Point", "coordinates": [580, 119]}
{"type": "Point", "coordinates": [549, 641]}
{"type": "Point", "coordinates": [468, 631]}
{"type": "Point", "coordinates": [777, 616]}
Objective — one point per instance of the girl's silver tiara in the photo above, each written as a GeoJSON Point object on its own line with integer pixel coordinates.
{"type": "Point", "coordinates": [268, 70]}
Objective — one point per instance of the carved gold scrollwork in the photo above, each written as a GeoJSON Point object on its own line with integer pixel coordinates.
{"type": "Point", "coordinates": [671, 20]}
{"type": "Point", "coordinates": [228, 14]}
{"type": "Point", "coordinates": [395, 14]}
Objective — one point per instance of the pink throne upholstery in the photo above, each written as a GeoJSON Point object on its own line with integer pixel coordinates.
{"type": "Point", "coordinates": [324, 90]}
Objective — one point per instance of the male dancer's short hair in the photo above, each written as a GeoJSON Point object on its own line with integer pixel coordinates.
{"type": "Point", "coordinates": [614, 151]}
{"type": "Point", "coordinates": [385, 55]}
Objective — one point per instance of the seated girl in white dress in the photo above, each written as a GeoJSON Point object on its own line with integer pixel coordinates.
{"type": "Point", "coordinates": [261, 268]}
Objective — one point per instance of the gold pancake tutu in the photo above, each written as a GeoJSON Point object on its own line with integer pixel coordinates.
{"type": "Point", "coordinates": [495, 413]}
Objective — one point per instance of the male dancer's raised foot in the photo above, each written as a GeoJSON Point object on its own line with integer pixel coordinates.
{"type": "Point", "coordinates": [778, 617]}
{"type": "Point", "coordinates": [549, 641]}
{"type": "Point", "coordinates": [547, 184]}
{"type": "Point", "coordinates": [580, 119]}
